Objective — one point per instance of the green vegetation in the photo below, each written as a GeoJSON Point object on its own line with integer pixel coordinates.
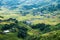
{"type": "Point", "coordinates": [12, 29]}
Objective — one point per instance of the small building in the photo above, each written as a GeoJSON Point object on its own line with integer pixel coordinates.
{"type": "Point", "coordinates": [6, 31]}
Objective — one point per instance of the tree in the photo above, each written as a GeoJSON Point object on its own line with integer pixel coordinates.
{"type": "Point", "coordinates": [42, 27]}
{"type": "Point", "coordinates": [22, 32]}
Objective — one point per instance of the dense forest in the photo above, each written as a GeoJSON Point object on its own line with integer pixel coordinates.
{"type": "Point", "coordinates": [12, 29]}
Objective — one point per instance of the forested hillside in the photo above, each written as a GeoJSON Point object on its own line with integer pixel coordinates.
{"type": "Point", "coordinates": [12, 29]}
{"type": "Point", "coordinates": [29, 19]}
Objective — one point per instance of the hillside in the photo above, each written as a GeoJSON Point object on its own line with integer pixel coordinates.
{"type": "Point", "coordinates": [41, 11]}
{"type": "Point", "coordinates": [12, 29]}
{"type": "Point", "coordinates": [29, 19]}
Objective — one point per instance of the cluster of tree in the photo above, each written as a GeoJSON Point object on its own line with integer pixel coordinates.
{"type": "Point", "coordinates": [20, 30]}
{"type": "Point", "coordinates": [46, 27]}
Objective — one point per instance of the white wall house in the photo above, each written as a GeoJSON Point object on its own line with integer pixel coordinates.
{"type": "Point", "coordinates": [6, 31]}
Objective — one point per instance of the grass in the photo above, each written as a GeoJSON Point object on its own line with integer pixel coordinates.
{"type": "Point", "coordinates": [35, 20]}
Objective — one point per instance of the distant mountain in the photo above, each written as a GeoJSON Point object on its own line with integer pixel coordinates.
{"type": "Point", "coordinates": [34, 6]}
